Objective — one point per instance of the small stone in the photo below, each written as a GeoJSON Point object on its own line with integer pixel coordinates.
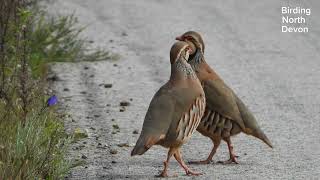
{"type": "Point", "coordinates": [124, 103]}
{"type": "Point", "coordinates": [107, 85]}
{"type": "Point", "coordinates": [91, 76]}
{"type": "Point", "coordinates": [72, 120]}
{"type": "Point", "coordinates": [83, 92]}
{"type": "Point", "coordinates": [123, 145]}
{"type": "Point", "coordinates": [86, 167]}
{"type": "Point", "coordinates": [99, 144]}
{"type": "Point", "coordinates": [84, 156]}
{"type": "Point", "coordinates": [53, 78]}
{"type": "Point", "coordinates": [113, 151]}
{"type": "Point", "coordinates": [84, 142]}
{"type": "Point", "coordinates": [113, 162]}
{"type": "Point", "coordinates": [86, 67]}
{"type": "Point", "coordinates": [122, 109]}
{"type": "Point", "coordinates": [135, 131]}
{"type": "Point", "coordinates": [112, 119]}
{"type": "Point", "coordinates": [104, 167]}
{"type": "Point", "coordinates": [96, 115]}
{"type": "Point", "coordinates": [108, 105]}
{"type": "Point", "coordinates": [124, 34]}
{"type": "Point", "coordinates": [111, 40]}
{"type": "Point", "coordinates": [92, 128]}
{"type": "Point", "coordinates": [115, 126]}
{"type": "Point", "coordinates": [115, 65]}
{"type": "Point", "coordinates": [66, 89]}
{"type": "Point", "coordinates": [91, 41]}
{"type": "Point", "coordinates": [245, 154]}
{"type": "Point", "coordinates": [131, 99]}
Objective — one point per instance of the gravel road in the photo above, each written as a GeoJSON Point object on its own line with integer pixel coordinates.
{"type": "Point", "coordinates": [277, 74]}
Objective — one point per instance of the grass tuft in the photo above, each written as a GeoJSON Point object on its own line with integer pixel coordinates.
{"type": "Point", "coordinates": [33, 143]}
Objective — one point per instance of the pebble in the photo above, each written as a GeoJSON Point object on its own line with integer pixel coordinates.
{"type": "Point", "coordinates": [113, 151]}
{"type": "Point", "coordinates": [124, 34]}
{"type": "Point", "coordinates": [83, 92]}
{"type": "Point", "coordinates": [107, 85]}
{"type": "Point", "coordinates": [122, 109]}
{"type": "Point", "coordinates": [124, 103]}
{"type": "Point", "coordinates": [123, 145]}
{"type": "Point", "coordinates": [115, 126]}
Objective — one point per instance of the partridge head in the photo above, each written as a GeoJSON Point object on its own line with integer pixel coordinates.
{"type": "Point", "coordinates": [193, 39]}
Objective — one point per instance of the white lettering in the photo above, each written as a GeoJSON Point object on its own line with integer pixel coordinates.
{"type": "Point", "coordinates": [295, 29]}
{"type": "Point", "coordinates": [293, 20]}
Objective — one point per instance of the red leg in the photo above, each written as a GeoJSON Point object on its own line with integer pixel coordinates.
{"type": "Point", "coordinates": [189, 172]}
{"type": "Point", "coordinates": [166, 163]}
{"type": "Point", "coordinates": [209, 159]}
{"type": "Point", "coordinates": [233, 157]}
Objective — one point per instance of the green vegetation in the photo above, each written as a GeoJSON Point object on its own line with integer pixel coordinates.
{"type": "Point", "coordinates": [32, 138]}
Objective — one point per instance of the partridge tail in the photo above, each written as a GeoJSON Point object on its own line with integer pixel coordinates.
{"type": "Point", "coordinates": [260, 135]}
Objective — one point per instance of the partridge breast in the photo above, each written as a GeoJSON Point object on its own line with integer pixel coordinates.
{"type": "Point", "coordinates": [181, 131]}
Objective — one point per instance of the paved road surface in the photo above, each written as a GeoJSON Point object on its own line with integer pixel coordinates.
{"type": "Point", "coordinates": [276, 74]}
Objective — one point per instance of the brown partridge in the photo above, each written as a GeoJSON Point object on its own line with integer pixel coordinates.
{"type": "Point", "coordinates": [175, 110]}
{"type": "Point", "coordinates": [226, 115]}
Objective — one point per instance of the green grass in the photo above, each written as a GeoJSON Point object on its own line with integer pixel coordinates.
{"type": "Point", "coordinates": [34, 149]}
{"type": "Point", "coordinates": [57, 39]}
{"type": "Point", "coordinates": [33, 142]}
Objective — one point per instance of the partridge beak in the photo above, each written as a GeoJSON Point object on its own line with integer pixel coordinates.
{"type": "Point", "coordinates": [179, 38]}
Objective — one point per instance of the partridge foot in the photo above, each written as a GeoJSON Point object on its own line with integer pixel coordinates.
{"type": "Point", "coordinates": [162, 174]}
{"type": "Point", "coordinates": [192, 173]}
{"type": "Point", "coordinates": [165, 163]}
{"type": "Point", "coordinates": [232, 159]}
{"type": "Point", "coordinates": [200, 162]}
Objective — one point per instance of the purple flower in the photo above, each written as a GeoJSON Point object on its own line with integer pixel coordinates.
{"type": "Point", "coordinates": [52, 100]}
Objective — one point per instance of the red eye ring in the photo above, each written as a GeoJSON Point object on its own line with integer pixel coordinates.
{"type": "Point", "coordinates": [188, 37]}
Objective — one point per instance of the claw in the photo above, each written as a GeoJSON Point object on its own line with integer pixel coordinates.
{"type": "Point", "coordinates": [192, 173]}
{"type": "Point", "coordinates": [230, 161]}
{"type": "Point", "coordinates": [200, 162]}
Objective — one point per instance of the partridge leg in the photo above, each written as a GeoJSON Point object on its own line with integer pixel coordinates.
{"type": "Point", "coordinates": [233, 157]}
{"type": "Point", "coordinates": [189, 172]}
{"type": "Point", "coordinates": [166, 163]}
{"type": "Point", "coordinates": [209, 159]}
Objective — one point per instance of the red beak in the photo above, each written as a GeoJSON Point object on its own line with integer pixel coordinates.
{"type": "Point", "coordinates": [179, 38]}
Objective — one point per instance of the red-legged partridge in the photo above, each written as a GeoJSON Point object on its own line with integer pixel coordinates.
{"type": "Point", "coordinates": [175, 110]}
{"type": "Point", "coordinates": [226, 115]}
